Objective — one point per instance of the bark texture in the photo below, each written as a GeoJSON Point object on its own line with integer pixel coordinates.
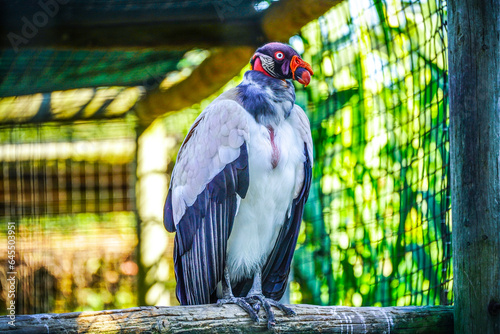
{"type": "Point", "coordinates": [474, 57]}
{"type": "Point", "coordinates": [231, 319]}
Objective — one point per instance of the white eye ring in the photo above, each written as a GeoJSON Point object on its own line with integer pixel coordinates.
{"type": "Point", "coordinates": [279, 55]}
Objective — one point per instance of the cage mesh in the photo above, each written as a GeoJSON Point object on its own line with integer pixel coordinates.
{"type": "Point", "coordinates": [69, 190]}
{"type": "Point", "coordinates": [378, 225]}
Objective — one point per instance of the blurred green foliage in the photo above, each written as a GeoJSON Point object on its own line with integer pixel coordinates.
{"type": "Point", "coordinates": [377, 223]}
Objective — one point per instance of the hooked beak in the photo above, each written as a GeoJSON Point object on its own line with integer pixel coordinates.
{"type": "Point", "coordinates": [301, 70]}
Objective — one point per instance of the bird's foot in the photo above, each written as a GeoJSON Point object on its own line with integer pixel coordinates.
{"type": "Point", "coordinates": [243, 303]}
{"type": "Point", "coordinates": [252, 304]}
{"type": "Point", "coordinates": [259, 300]}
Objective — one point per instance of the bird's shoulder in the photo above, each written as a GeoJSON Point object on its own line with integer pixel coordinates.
{"type": "Point", "coordinates": [213, 141]}
{"type": "Point", "coordinates": [224, 122]}
{"type": "Point", "coordinates": [225, 113]}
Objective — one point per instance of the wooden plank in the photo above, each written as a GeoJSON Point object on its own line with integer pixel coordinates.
{"type": "Point", "coordinates": [474, 68]}
{"type": "Point", "coordinates": [231, 319]}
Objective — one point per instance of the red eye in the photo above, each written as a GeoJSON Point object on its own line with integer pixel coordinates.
{"type": "Point", "coordinates": [279, 55]}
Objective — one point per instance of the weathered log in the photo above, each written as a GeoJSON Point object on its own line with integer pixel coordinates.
{"type": "Point", "coordinates": [231, 319]}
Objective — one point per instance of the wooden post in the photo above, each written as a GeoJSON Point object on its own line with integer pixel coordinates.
{"type": "Point", "coordinates": [232, 319]}
{"type": "Point", "coordinates": [474, 55]}
{"type": "Point", "coordinates": [142, 288]}
{"type": "Point", "coordinates": [156, 281]}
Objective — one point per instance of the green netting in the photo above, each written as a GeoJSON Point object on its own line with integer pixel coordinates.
{"type": "Point", "coordinates": [32, 71]}
{"type": "Point", "coordinates": [378, 224]}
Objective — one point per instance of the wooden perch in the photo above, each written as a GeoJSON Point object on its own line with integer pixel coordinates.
{"type": "Point", "coordinates": [231, 319]}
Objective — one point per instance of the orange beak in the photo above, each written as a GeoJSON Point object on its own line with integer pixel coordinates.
{"type": "Point", "coordinates": [305, 78]}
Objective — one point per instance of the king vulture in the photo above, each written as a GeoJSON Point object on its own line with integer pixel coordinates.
{"type": "Point", "coordinates": [239, 186]}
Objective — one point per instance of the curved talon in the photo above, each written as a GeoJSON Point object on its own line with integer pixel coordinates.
{"type": "Point", "coordinates": [285, 309]}
{"type": "Point", "coordinates": [271, 320]}
{"type": "Point", "coordinates": [252, 304]}
{"type": "Point", "coordinates": [241, 302]}
{"type": "Point", "coordinates": [256, 307]}
{"type": "Point", "coordinates": [258, 300]}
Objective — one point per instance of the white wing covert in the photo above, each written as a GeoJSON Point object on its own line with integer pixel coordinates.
{"type": "Point", "coordinates": [208, 180]}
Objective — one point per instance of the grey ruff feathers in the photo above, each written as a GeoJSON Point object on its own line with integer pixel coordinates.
{"type": "Point", "coordinates": [222, 175]}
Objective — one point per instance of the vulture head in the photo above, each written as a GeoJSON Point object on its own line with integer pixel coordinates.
{"type": "Point", "coordinates": [281, 61]}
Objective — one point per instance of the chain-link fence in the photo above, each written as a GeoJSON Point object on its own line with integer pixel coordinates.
{"type": "Point", "coordinates": [378, 223]}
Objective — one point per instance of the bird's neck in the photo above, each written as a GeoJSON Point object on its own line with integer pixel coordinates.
{"type": "Point", "coordinates": [269, 100]}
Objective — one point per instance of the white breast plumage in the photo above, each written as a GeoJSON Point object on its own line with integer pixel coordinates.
{"type": "Point", "coordinates": [262, 213]}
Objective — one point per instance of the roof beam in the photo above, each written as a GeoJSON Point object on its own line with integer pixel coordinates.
{"type": "Point", "coordinates": [127, 25]}
{"type": "Point", "coordinates": [215, 71]}
{"type": "Point", "coordinates": [179, 36]}
{"type": "Point", "coordinates": [281, 21]}
{"type": "Point", "coordinates": [285, 18]}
